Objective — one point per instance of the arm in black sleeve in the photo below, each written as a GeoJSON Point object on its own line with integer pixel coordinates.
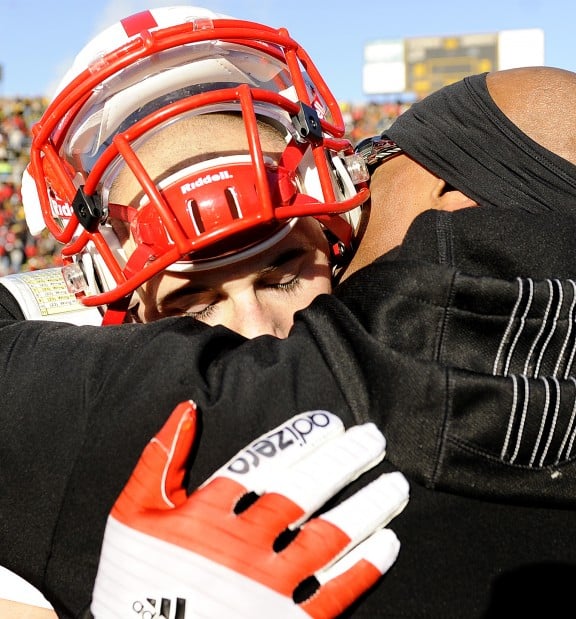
{"type": "Point", "coordinates": [9, 308]}
{"type": "Point", "coordinates": [80, 404]}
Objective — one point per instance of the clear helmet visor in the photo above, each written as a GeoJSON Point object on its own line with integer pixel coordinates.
{"type": "Point", "coordinates": [154, 82]}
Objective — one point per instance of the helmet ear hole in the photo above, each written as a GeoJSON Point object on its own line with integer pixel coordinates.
{"type": "Point", "coordinates": [196, 216]}
{"type": "Point", "coordinates": [233, 205]}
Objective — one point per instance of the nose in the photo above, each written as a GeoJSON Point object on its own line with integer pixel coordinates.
{"type": "Point", "coordinates": [250, 317]}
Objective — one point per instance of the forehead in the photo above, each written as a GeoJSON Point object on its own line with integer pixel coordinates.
{"type": "Point", "coordinates": [188, 141]}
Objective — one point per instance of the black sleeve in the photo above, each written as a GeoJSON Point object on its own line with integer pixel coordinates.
{"type": "Point", "coordinates": [80, 403]}
{"type": "Point", "coordinates": [9, 308]}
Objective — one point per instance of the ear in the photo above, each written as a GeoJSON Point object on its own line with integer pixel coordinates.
{"type": "Point", "coordinates": [449, 199]}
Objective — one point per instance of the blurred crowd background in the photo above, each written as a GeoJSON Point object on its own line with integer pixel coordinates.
{"type": "Point", "coordinates": [19, 251]}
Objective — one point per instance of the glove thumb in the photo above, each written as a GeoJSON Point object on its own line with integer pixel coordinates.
{"type": "Point", "coordinates": [157, 479]}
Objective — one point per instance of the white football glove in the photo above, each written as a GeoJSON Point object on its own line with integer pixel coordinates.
{"type": "Point", "coordinates": [243, 545]}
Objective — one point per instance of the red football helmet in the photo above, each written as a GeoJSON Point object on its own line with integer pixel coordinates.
{"type": "Point", "coordinates": [153, 69]}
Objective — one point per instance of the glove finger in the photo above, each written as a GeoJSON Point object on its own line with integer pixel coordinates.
{"type": "Point", "coordinates": [244, 544]}
{"type": "Point", "coordinates": [156, 482]}
{"type": "Point", "coordinates": [313, 480]}
{"type": "Point", "coordinates": [336, 537]}
{"type": "Point", "coordinates": [371, 508]}
{"type": "Point", "coordinates": [336, 588]}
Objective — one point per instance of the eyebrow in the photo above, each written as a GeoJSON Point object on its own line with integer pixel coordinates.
{"type": "Point", "coordinates": [281, 259]}
{"type": "Point", "coordinates": [287, 256]}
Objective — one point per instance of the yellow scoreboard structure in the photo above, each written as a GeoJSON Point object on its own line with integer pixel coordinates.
{"type": "Point", "coordinates": [433, 62]}
{"type": "Point", "coordinates": [420, 65]}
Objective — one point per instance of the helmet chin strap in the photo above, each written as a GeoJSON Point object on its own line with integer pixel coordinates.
{"type": "Point", "coordinates": [116, 312]}
{"type": "Point", "coordinates": [96, 276]}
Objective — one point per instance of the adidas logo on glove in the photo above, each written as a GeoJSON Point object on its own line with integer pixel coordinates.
{"type": "Point", "coordinates": [162, 608]}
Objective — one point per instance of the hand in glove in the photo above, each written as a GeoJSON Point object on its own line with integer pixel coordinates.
{"type": "Point", "coordinates": [243, 545]}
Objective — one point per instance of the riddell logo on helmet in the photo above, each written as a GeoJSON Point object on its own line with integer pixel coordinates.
{"type": "Point", "coordinates": [223, 175]}
{"type": "Point", "coordinates": [319, 107]}
{"type": "Point", "coordinates": [60, 208]}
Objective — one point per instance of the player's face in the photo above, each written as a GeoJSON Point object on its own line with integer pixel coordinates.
{"type": "Point", "coordinates": [256, 296]}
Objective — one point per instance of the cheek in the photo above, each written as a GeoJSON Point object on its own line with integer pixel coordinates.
{"type": "Point", "coordinates": [316, 277]}
{"type": "Point", "coordinates": [322, 284]}
{"type": "Point", "coordinates": [148, 295]}
{"type": "Point", "coordinates": [310, 292]}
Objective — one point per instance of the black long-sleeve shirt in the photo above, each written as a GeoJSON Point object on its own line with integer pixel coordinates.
{"type": "Point", "coordinates": [458, 344]}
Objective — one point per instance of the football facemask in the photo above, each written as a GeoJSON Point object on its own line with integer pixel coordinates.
{"type": "Point", "coordinates": [160, 67]}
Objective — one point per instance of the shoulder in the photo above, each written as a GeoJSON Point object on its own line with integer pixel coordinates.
{"type": "Point", "coordinates": [495, 242]}
{"type": "Point", "coordinates": [9, 308]}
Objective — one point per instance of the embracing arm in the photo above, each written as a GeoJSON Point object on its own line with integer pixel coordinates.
{"type": "Point", "coordinates": [79, 406]}
{"type": "Point", "coordinates": [78, 412]}
{"type": "Point", "coordinates": [18, 610]}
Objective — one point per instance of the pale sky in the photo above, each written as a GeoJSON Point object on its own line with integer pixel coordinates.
{"type": "Point", "coordinates": [39, 38]}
